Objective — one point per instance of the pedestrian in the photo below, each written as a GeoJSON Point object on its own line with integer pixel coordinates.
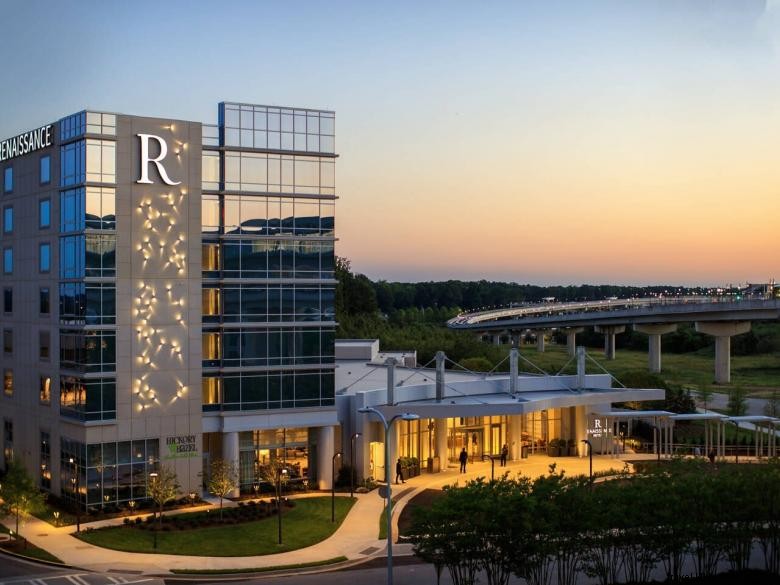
{"type": "Point", "coordinates": [463, 458]}
{"type": "Point", "coordinates": [504, 454]}
{"type": "Point", "coordinates": [711, 455]}
{"type": "Point", "coordinates": [399, 471]}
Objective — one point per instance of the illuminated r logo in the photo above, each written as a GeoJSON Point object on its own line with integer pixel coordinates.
{"type": "Point", "coordinates": [598, 423]}
{"type": "Point", "coordinates": [145, 160]}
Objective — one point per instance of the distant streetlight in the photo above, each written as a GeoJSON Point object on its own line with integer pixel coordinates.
{"type": "Point", "coordinates": [352, 464]}
{"type": "Point", "coordinates": [590, 458]}
{"type": "Point", "coordinates": [389, 506]}
{"type": "Point", "coordinates": [333, 487]}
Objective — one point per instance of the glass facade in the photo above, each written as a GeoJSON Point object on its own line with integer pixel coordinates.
{"type": "Point", "coordinates": [268, 215]}
{"type": "Point", "coordinates": [107, 474]}
{"type": "Point", "coordinates": [87, 267]}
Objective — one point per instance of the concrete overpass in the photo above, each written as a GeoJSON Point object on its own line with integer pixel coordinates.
{"type": "Point", "coordinates": [716, 316]}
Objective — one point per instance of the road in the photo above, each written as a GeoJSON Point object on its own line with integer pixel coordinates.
{"type": "Point", "coordinates": [18, 572]}
{"type": "Point", "coordinates": [755, 406]}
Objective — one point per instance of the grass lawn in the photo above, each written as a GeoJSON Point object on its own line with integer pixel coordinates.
{"type": "Point", "coordinates": [30, 550]}
{"type": "Point", "coordinates": [304, 525]}
{"type": "Point", "coordinates": [758, 373]}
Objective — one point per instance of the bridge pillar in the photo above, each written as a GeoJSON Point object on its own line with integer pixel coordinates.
{"type": "Point", "coordinates": [609, 332]}
{"type": "Point", "coordinates": [723, 331]}
{"type": "Point", "coordinates": [654, 332]}
{"type": "Point", "coordinates": [539, 340]}
{"type": "Point", "coordinates": [497, 339]}
{"type": "Point", "coordinates": [571, 339]}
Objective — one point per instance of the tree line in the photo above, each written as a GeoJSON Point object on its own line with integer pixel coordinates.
{"type": "Point", "coordinates": [687, 517]}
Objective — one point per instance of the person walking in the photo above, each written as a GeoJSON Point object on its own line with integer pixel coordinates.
{"type": "Point", "coordinates": [399, 471]}
{"type": "Point", "coordinates": [464, 457]}
{"type": "Point", "coordinates": [504, 454]}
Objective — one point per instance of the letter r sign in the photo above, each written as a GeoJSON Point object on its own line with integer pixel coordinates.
{"type": "Point", "coordinates": [146, 160]}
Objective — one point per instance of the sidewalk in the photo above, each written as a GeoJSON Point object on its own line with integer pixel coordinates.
{"type": "Point", "coordinates": [356, 539]}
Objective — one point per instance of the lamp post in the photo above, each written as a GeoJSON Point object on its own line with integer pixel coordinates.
{"type": "Point", "coordinates": [590, 458]}
{"type": "Point", "coordinates": [76, 488]}
{"type": "Point", "coordinates": [352, 464]}
{"type": "Point", "coordinates": [492, 465]}
{"type": "Point", "coordinates": [389, 506]}
{"type": "Point", "coordinates": [279, 472]}
{"type": "Point", "coordinates": [333, 487]}
{"type": "Point", "coordinates": [153, 477]}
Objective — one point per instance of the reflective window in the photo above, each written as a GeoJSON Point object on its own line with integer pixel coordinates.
{"type": "Point", "coordinates": [210, 170]}
{"type": "Point", "coordinates": [269, 391]}
{"type": "Point", "coordinates": [87, 303]}
{"type": "Point", "coordinates": [44, 257]}
{"type": "Point", "coordinates": [211, 304]}
{"type": "Point", "coordinates": [100, 208]}
{"type": "Point", "coordinates": [248, 347]}
{"type": "Point", "coordinates": [44, 213]}
{"type": "Point", "coordinates": [91, 255]}
{"type": "Point", "coordinates": [210, 214]}
{"type": "Point", "coordinates": [273, 173]}
{"type": "Point", "coordinates": [8, 219]}
{"type": "Point", "coordinates": [98, 123]}
{"type": "Point", "coordinates": [8, 261]}
{"type": "Point", "coordinates": [210, 258]}
{"type": "Point", "coordinates": [45, 170]}
{"type": "Point", "coordinates": [251, 126]}
{"type": "Point", "coordinates": [72, 257]}
{"type": "Point", "coordinates": [8, 300]}
{"type": "Point", "coordinates": [88, 399]}
{"type": "Point", "coordinates": [8, 179]}
{"type": "Point", "coordinates": [44, 390]}
{"type": "Point", "coordinates": [72, 163]}
{"type": "Point", "coordinates": [72, 206]}
{"type": "Point", "coordinates": [101, 161]}
{"type": "Point", "coordinates": [253, 214]}
{"type": "Point", "coordinates": [88, 351]}
{"type": "Point", "coordinates": [73, 126]}
{"type": "Point", "coordinates": [210, 135]}
{"type": "Point", "coordinates": [277, 259]}
{"type": "Point", "coordinates": [212, 349]}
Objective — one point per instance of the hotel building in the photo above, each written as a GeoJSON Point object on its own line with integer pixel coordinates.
{"type": "Point", "coordinates": [168, 294]}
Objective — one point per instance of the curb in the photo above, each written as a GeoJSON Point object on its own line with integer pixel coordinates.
{"type": "Point", "coordinates": [35, 561]}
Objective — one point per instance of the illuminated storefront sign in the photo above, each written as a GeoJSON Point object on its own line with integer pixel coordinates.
{"type": "Point", "coordinates": [181, 446]}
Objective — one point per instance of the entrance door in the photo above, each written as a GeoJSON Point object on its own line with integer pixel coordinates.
{"type": "Point", "coordinates": [495, 440]}
{"type": "Point", "coordinates": [376, 466]}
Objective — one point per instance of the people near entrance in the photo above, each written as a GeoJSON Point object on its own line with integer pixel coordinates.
{"type": "Point", "coordinates": [464, 457]}
{"type": "Point", "coordinates": [399, 472]}
{"type": "Point", "coordinates": [504, 454]}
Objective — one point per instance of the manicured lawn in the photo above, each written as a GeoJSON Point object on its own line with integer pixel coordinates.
{"type": "Point", "coordinates": [686, 369]}
{"type": "Point", "coordinates": [304, 525]}
{"type": "Point", "coordinates": [30, 550]}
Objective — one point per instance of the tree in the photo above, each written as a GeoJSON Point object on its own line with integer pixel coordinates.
{"type": "Point", "coordinates": [737, 404]}
{"type": "Point", "coordinates": [163, 487]}
{"type": "Point", "coordinates": [20, 494]}
{"type": "Point", "coordinates": [222, 480]}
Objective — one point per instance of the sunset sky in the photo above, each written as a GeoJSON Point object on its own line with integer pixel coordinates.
{"type": "Point", "coordinates": [539, 141]}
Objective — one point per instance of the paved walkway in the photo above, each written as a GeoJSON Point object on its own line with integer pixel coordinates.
{"type": "Point", "coordinates": [356, 539]}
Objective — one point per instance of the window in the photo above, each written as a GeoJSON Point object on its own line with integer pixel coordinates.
{"type": "Point", "coordinates": [8, 341]}
{"type": "Point", "coordinates": [8, 179]}
{"type": "Point", "coordinates": [88, 399]}
{"type": "Point", "coordinates": [92, 303]}
{"type": "Point", "coordinates": [88, 351]}
{"type": "Point", "coordinates": [8, 261]}
{"type": "Point", "coordinates": [98, 123]}
{"type": "Point", "coordinates": [8, 219]}
{"type": "Point", "coordinates": [44, 345]}
{"type": "Point", "coordinates": [44, 213]}
{"type": "Point", "coordinates": [8, 382]}
{"type": "Point", "coordinates": [259, 172]}
{"type": "Point", "coordinates": [8, 300]}
{"type": "Point", "coordinates": [45, 168]}
{"type": "Point", "coordinates": [44, 301]}
{"type": "Point", "coordinates": [72, 162]}
{"type": "Point", "coordinates": [73, 126]}
{"type": "Point", "coordinates": [44, 390]}
{"type": "Point", "coordinates": [72, 210]}
{"type": "Point", "coordinates": [99, 208]}
{"type": "Point", "coordinates": [44, 257]}
{"type": "Point", "coordinates": [101, 161]}
{"type": "Point", "coordinates": [210, 170]}
{"type": "Point", "coordinates": [8, 441]}
{"type": "Point", "coordinates": [45, 461]}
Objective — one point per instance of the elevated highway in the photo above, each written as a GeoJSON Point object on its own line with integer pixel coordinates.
{"type": "Point", "coordinates": [716, 316]}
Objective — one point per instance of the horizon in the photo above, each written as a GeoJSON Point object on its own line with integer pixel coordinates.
{"type": "Point", "coordinates": [541, 142]}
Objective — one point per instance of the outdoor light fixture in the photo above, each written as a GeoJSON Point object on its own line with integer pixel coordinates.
{"type": "Point", "coordinates": [389, 506]}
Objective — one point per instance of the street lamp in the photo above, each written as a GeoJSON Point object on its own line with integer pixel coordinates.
{"type": "Point", "coordinates": [153, 476]}
{"type": "Point", "coordinates": [352, 464]}
{"type": "Point", "coordinates": [590, 458]}
{"type": "Point", "coordinates": [333, 487]}
{"type": "Point", "coordinates": [492, 465]}
{"type": "Point", "coordinates": [76, 488]}
{"type": "Point", "coordinates": [736, 441]}
{"type": "Point", "coordinates": [279, 472]}
{"type": "Point", "coordinates": [389, 506]}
